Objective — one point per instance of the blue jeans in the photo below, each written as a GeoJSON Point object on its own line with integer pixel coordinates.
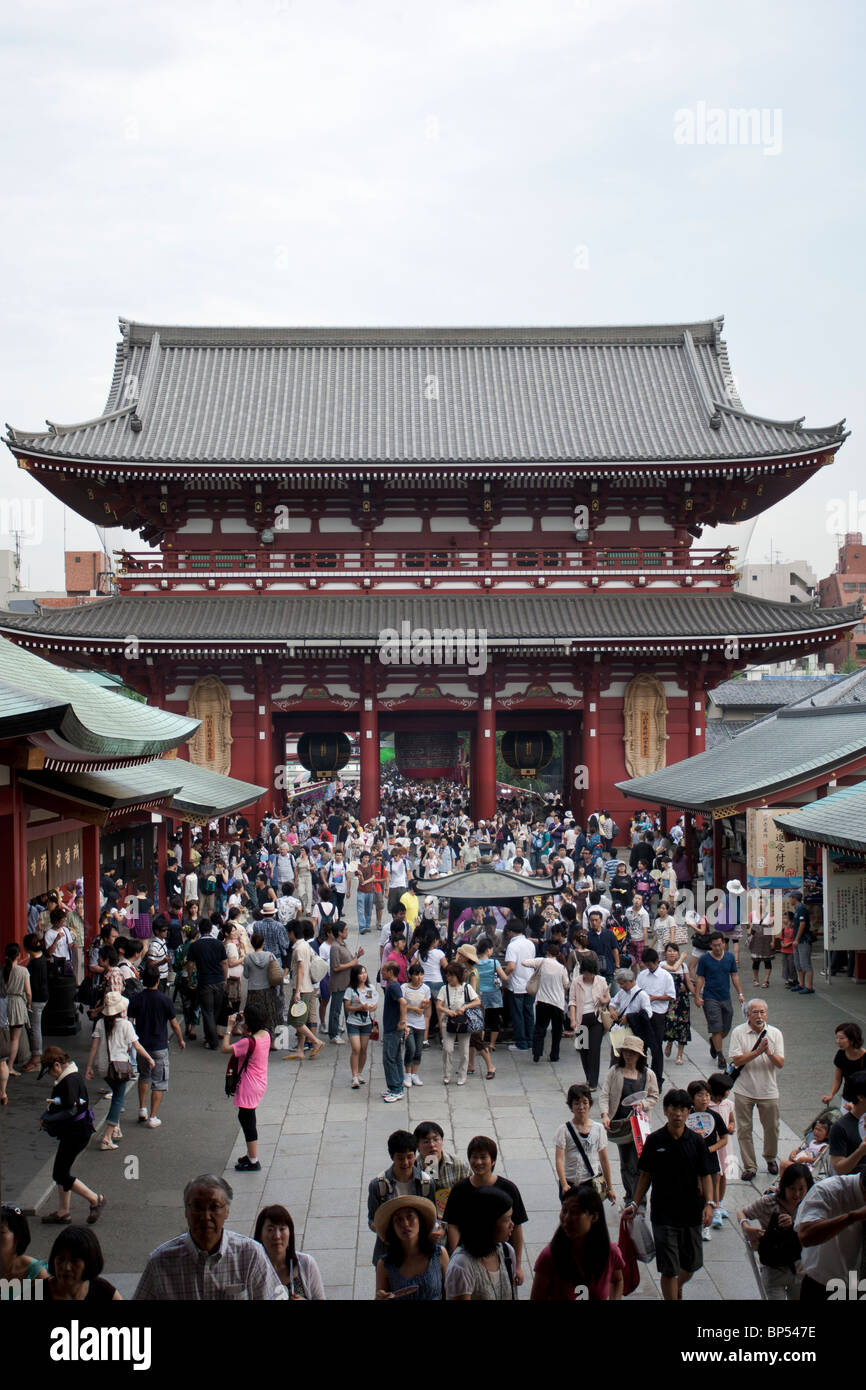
{"type": "Point", "coordinates": [365, 910]}
{"type": "Point", "coordinates": [392, 1061]}
{"type": "Point", "coordinates": [336, 1012]}
{"type": "Point", "coordinates": [522, 1020]}
{"type": "Point", "coordinates": [413, 1051]}
{"type": "Point", "coordinates": [115, 1109]}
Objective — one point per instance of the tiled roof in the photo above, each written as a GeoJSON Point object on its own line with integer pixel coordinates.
{"type": "Point", "coordinates": [424, 395]}
{"type": "Point", "coordinates": [771, 693]}
{"type": "Point", "coordinates": [317, 620]}
{"type": "Point", "coordinates": [769, 756]}
{"type": "Point", "coordinates": [36, 695]}
{"type": "Point", "coordinates": [838, 821]}
{"type": "Point", "coordinates": [187, 789]}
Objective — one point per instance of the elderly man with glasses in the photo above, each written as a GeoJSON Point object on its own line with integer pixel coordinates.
{"type": "Point", "coordinates": [208, 1262]}
{"type": "Point", "coordinates": [760, 1051]}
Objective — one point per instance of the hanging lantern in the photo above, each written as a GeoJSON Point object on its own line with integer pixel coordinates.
{"type": "Point", "coordinates": [529, 753]}
{"type": "Point", "coordinates": [324, 754]}
{"type": "Point", "coordinates": [427, 757]}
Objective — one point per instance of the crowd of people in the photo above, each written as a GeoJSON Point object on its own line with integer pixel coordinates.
{"type": "Point", "coordinates": [246, 940]}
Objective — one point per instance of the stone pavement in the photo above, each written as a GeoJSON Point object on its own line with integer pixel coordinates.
{"type": "Point", "coordinates": [321, 1142]}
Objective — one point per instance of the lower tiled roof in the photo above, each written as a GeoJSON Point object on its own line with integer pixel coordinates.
{"type": "Point", "coordinates": [838, 821]}
{"type": "Point", "coordinates": [319, 619]}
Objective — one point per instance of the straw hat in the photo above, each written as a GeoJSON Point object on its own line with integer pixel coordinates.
{"type": "Point", "coordinates": [424, 1207]}
{"type": "Point", "coordinates": [113, 1003]}
{"type": "Point", "coordinates": [469, 951]}
{"type": "Point", "coordinates": [268, 909]}
{"type": "Point", "coordinates": [630, 1043]}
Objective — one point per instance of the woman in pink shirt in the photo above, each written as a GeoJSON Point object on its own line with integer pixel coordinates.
{"type": "Point", "coordinates": [252, 1051]}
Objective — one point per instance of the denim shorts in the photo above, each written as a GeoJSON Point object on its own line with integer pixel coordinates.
{"type": "Point", "coordinates": [359, 1030]}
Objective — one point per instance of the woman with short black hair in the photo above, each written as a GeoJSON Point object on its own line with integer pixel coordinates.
{"type": "Point", "coordinates": [74, 1267]}
{"type": "Point", "coordinates": [482, 1268]}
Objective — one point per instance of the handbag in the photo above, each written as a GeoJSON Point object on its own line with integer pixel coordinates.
{"type": "Point", "coordinates": [470, 1022]}
{"type": "Point", "coordinates": [318, 969]}
{"type": "Point", "coordinates": [735, 1072]}
{"type": "Point", "coordinates": [118, 1071]}
{"type": "Point", "coordinates": [779, 1246]}
{"type": "Point", "coordinates": [275, 973]}
{"type": "Point", "coordinates": [55, 1121]}
{"type": "Point", "coordinates": [236, 1068]}
{"type": "Point", "coordinates": [620, 1132]}
{"type": "Point", "coordinates": [595, 1181]}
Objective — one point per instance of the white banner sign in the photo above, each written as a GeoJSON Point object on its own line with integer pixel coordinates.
{"type": "Point", "coordinates": [844, 905]}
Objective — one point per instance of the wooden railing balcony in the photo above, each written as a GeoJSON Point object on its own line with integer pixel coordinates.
{"type": "Point", "coordinates": [265, 568]}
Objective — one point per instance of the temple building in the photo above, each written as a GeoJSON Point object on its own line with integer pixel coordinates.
{"type": "Point", "coordinates": [429, 532]}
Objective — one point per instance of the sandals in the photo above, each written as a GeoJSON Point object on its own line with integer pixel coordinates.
{"type": "Point", "coordinates": [95, 1210]}
{"type": "Point", "coordinates": [55, 1219]}
{"type": "Point", "coordinates": [106, 1145]}
{"type": "Point", "coordinates": [491, 1074]}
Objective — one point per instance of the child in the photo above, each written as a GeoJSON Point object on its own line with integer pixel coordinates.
{"type": "Point", "coordinates": [722, 1105]}
{"type": "Point", "coordinates": [700, 1094]}
{"type": "Point", "coordinates": [786, 948]}
{"type": "Point", "coordinates": [418, 1006]}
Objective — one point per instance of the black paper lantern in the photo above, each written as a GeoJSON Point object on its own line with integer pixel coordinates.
{"type": "Point", "coordinates": [324, 754]}
{"type": "Point", "coordinates": [527, 753]}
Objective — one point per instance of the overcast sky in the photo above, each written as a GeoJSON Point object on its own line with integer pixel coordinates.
{"type": "Point", "coordinates": [468, 162]}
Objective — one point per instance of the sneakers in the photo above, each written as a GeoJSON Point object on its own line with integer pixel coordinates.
{"type": "Point", "coordinates": [416, 1080]}
{"type": "Point", "coordinates": [392, 1096]}
{"type": "Point", "coordinates": [720, 1062]}
{"type": "Point", "coordinates": [338, 1042]}
{"type": "Point", "coordinates": [244, 1165]}
{"type": "Point", "coordinates": [355, 1083]}
{"type": "Point", "coordinates": [154, 1122]}
{"type": "Point", "coordinates": [806, 991]}
{"type": "Point", "coordinates": [408, 1080]}
{"type": "Point", "coordinates": [142, 1116]}
{"type": "Point", "coordinates": [717, 1219]}
{"type": "Point", "coordinates": [723, 1213]}
{"type": "Point", "coordinates": [706, 1234]}
{"type": "Point", "coordinates": [512, 1047]}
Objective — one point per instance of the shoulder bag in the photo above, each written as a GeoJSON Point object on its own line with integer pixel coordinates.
{"type": "Point", "coordinates": [236, 1068]}
{"type": "Point", "coordinates": [275, 973]}
{"type": "Point", "coordinates": [595, 1181]}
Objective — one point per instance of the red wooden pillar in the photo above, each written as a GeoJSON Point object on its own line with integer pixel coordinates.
{"type": "Point", "coordinates": [369, 723]}
{"type": "Point", "coordinates": [13, 829]}
{"type": "Point", "coordinates": [663, 819]}
{"type": "Point", "coordinates": [265, 771]}
{"type": "Point", "coordinates": [161, 862]}
{"type": "Point", "coordinates": [717, 854]}
{"type": "Point", "coordinates": [485, 754]}
{"type": "Point", "coordinates": [696, 730]}
{"type": "Point", "coordinates": [90, 873]}
{"type": "Point", "coordinates": [184, 842]}
{"type": "Point", "coordinates": [689, 844]}
{"type": "Point", "coordinates": [592, 745]}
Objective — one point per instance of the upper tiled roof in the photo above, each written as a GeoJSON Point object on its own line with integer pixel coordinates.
{"type": "Point", "coordinates": [771, 693]}
{"type": "Point", "coordinates": [320, 620]}
{"type": "Point", "coordinates": [424, 395]}
{"type": "Point", "coordinates": [36, 696]}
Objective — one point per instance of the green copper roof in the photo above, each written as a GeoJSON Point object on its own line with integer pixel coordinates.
{"type": "Point", "coordinates": [837, 821]}
{"type": "Point", "coordinates": [766, 758]}
{"type": "Point", "coordinates": [37, 696]}
{"type": "Point", "coordinates": [185, 789]}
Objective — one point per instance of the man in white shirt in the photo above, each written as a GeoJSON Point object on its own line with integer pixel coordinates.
{"type": "Point", "coordinates": [659, 985]}
{"type": "Point", "coordinates": [190, 885]}
{"type": "Point", "coordinates": [760, 1051]}
{"type": "Point", "coordinates": [519, 952]}
{"type": "Point", "coordinates": [831, 1224]}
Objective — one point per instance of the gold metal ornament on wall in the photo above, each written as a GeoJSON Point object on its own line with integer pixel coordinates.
{"type": "Point", "coordinates": [211, 745]}
{"type": "Point", "coordinates": [645, 734]}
